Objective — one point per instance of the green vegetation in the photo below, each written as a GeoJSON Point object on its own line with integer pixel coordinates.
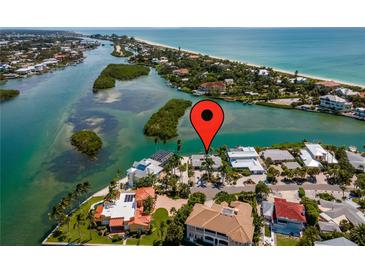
{"type": "Point", "coordinates": [274, 105]}
{"type": "Point", "coordinates": [176, 227]}
{"type": "Point", "coordinates": [77, 229]}
{"type": "Point", "coordinates": [326, 196]}
{"type": "Point", "coordinates": [311, 210]}
{"type": "Point", "coordinates": [122, 51]}
{"type": "Point", "coordinates": [163, 123]}
{"type": "Point", "coordinates": [87, 142]}
{"type": "Point", "coordinates": [223, 196]}
{"type": "Point", "coordinates": [158, 230]}
{"type": "Point", "coordinates": [282, 240]}
{"type": "Point", "coordinates": [114, 72]}
{"type": "Point", "coordinates": [301, 192]}
{"type": "Point", "coordinates": [7, 94]}
{"type": "Point", "coordinates": [267, 231]}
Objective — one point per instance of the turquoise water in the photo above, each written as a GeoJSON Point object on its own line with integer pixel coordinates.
{"type": "Point", "coordinates": [335, 53]}
{"type": "Point", "coordinates": [38, 165]}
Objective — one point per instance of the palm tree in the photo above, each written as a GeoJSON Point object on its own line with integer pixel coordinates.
{"type": "Point", "coordinates": [79, 221]}
{"type": "Point", "coordinates": [161, 229]}
{"type": "Point", "coordinates": [343, 188]}
{"type": "Point", "coordinates": [179, 145]}
{"type": "Point", "coordinates": [358, 234]}
{"type": "Point", "coordinates": [207, 165]}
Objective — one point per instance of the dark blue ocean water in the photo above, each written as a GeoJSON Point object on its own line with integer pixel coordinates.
{"type": "Point", "coordinates": [335, 53]}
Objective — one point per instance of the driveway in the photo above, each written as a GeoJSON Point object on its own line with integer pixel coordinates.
{"type": "Point", "coordinates": [168, 203]}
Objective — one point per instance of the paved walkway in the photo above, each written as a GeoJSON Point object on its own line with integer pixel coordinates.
{"type": "Point", "coordinates": [168, 203]}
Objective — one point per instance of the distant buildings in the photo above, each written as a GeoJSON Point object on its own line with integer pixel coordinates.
{"type": "Point", "coordinates": [360, 112]}
{"type": "Point", "coordinates": [142, 169]}
{"type": "Point", "coordinates": [328, 84]}
{"type": "Point", "coordinates": [346, 92]}
{"type": "Point", "coordinates": [213, 87]}
{"type": "Point", "coordinates": [335, 103]}
{"type": "Point", "coordinates": [181, 72]}
{"type": "Point", "coordinates": [289, 218]}
{"type": "Point", "coordinates": [263, 72]}
{"type": "Point", "coordinates": [197, 161]}
{"type": "Point", "coordinates": [313, 154]}
{"type": "Point", "coordinates": [221, 224]}
{"type": "Point", "coordinates": [245, 157]}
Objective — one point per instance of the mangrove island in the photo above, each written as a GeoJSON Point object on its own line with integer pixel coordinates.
{"type": "Point", "coordinates": [87, 142]}
{"type": "Point", "coordinates": [7, 94]}
{"type": "Point", "coordinates": [163, 123]}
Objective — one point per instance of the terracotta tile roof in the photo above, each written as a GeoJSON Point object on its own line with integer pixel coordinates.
{"type": "Point", "coordinates": [116, 222]}
{"type": "Point", "coordinates": [289, 210]}
{"type": "Point", "coordinates": [213, 85]}
{"type": "Point", "coordinates": [238, 225]}
{"type": "Point", "coordinates": [140, 218]}
{"type": "Point", "coordinates": [98, 211]}
{"type": "Point", "coordinates": [329, 84]}
{"type": "Point", "coordinates": [144, 192]}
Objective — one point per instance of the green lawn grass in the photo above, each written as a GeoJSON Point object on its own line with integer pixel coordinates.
{"type": "Point", "coordinates": [161, 215]}
{"type": "Point", "coordinates": [71, 233]}
{"type": "Point", "coordinates": [282, 240]}
{"type": "Point", "coordinates": [267, 231]}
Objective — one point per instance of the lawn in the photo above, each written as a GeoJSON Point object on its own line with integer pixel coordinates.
{"type": "Point", "coordinates": [161, 215]}
{"type": "Point", "coordinates": [71, 233]}
{"type": "Point", "coordinates": [282, 240]}
{"type": "Point", "coordinates": [267, 231]}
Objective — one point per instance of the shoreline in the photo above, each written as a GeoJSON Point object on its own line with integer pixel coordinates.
{"type": "Point", "coordinates": [249, 64]}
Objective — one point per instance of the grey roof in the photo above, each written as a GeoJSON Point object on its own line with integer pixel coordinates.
{"type": "Point", "coordinates": [277, 154]}
{"type": "Point", "coordinates": [291, 165]}
{"type": "Point", "coordinates": [341, 241]}
{"type": "Point", "coordinates": [162, 156]}
{"type": "Point", "coordinates": [354, 215]}
{"type": "Point", "coordinates": [328, 227]}
{"type": "Point", "coordinates": [198, 159]}
{"type": "Point", "coordinates": [356, 160]}
{"type": "Point", "coordinates": [267, 209]}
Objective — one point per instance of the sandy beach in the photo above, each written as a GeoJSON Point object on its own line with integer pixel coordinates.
{"type": "Point", "coordinates": [250, 64]}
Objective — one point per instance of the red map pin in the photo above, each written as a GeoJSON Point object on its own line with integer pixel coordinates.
{"type": "Point", "coordinates": [207, 117]}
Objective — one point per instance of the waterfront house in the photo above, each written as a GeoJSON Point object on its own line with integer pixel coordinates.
{"type": "Point", "coordinates": [123, 213]}
{"type": "Point", "coordinates": [360, 112]}
{"type": "Point", "coordinates": [289, 217]}
{"type": "Point", "coordinates": [328, 84]}
{"type": "Point", "coordinates": [277, 155]}
{"type": "Point", "coordinates": [229, 82]}
{"type": "Point", "coordinates": [181, 72]}
{"type": "Point", "coordinates": [334, 102]}
{"type": "Point", "coordinates": [214, 87]}
{"type": "Point", "coordinates": [220, 224]}
{"type": "Point", "coordinates": [346, 92]}
{"type": "Point", "coordinates": [245, 157]}
{"type": "Point", "coordinates": [162, 156]}
{"type": "Point", "coordinates": [356, 160]}
{"type": "Point", "coordinates": [197, 161]}
{"type": "Point", "coordinates": [142, 169]}
{"type": "Point", "coordinates": [313, 154]}
{"type": "Point", "coordinates": [263, 72]}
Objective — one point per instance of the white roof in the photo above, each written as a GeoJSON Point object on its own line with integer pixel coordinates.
{"type": "Point", "coordinates": [198, 159]}
{"type": "Point", "coordinates": [318, 150]}
{"type": "Point", "coordinates": [122, 207]}
{"type": "Point", "coordinates": [333, 98]}
{"type": "Point", "coordinates": [308, 160]}
{"type": "Point", "coordinates": [251, 164]}
{"type": "Point", "coordinates": [242, 152]}
{"type": "Point", "coordinates": [277, 154]}
{"type": "Point", "coordinates": [145, 167]}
